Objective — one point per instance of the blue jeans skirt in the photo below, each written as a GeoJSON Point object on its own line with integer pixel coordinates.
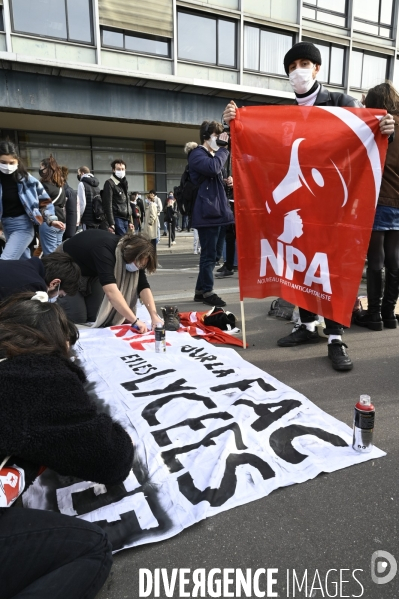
{"type": "Point", "coordinates": [386, 219]}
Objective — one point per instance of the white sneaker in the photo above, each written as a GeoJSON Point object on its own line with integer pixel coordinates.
{"type": "Point", "coordinates": [173, 243]}
{"type": "Point", "coordinates": [195, 252]}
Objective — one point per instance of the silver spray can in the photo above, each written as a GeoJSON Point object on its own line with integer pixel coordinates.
{"type": "Point", "coordinates": [160, 341]}
{"type": "Point", "coordinates": [363, 425]}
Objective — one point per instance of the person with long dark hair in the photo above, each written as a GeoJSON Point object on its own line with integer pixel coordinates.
{"type": "Point", "coordinates": [48, 420]}
{"type": "Point", "coordinates": [23, 203]}
{"type": "Point", "coordinates": [384, 242]}
{"type": "Point", "coordinates": [53, 182]}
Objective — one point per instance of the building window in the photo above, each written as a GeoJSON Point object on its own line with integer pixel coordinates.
{"type": "Point", "coordinates": [264, 50]}
{"type": "Point", "coordinates": [325, 11]}
{"type": "Point", "coordinates": [367, 70]}
{"type": "Point", "coordinates": [373, 16]}
{"type": "Point", "coordinates": [206, 39]}
{"type": "Point", "coordinates": [136, 42]}
{"type": "Point", "coordinates": [97, 153]}
{"type": "Point", "coordinates": [1, 19]}
{"type": "Point", "coordinates": [332, 69]}
{"type": "Point", "coordinates": [62, 19]}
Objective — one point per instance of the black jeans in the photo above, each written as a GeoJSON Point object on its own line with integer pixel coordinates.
{"type": "Point", "coordinates": [81, 309]}
{"type": "Point", "coordinates": [332, 327]}
{"type": "Point", "coordinates": [51, 556]}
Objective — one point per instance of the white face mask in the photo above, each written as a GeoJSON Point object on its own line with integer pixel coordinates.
{"type": "Point", "coordinates": [212, 143]}
{"type": "Point", "coordinates": [131, 267]}
{"type": "Point", "coordinates": [301, 80]}
{"type": "Point", "coordinates": [120, 174]}
{"type": "Point", "coordinates": [52, 300]}
{"type": "Point", "coordinates": [8, 169]}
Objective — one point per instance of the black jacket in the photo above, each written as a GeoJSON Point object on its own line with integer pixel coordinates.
{"type": "Point", "coordinates": [71, 211]}
{"type": "Point", "coordinates": [91, 185]}
{"type": "Point", "coordinates": [57, 198]}
{"type": "Point", "coordinates": [48, 419]}
{"type": "Point", "coordinates": [115, 200]}
{"type": "Point", "coordinates": [327, 98]}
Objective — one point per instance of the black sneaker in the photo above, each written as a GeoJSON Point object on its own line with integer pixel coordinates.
{"type": "Point", "coordinates": [218, 263]}
{"type": "Point", "coordinates": [221, 269]}
{"type": "Point", "coordinates": [214, 300]}
{"type": "Point", "coordinates": [198, 297]}
{"type": "Point", "coordinates": [171, 318]}
{"type": "Point", "coordinates": [299, 336]}
{"type": "Point", "coordinates": [338, 356]}
{"type": "Point", "coordinates": [221, 273]}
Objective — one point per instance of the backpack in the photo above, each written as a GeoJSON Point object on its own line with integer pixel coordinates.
{"type": "Point", "coordinates": [186, 193]}
{"type": "Point", "coordinates": [97, 205]}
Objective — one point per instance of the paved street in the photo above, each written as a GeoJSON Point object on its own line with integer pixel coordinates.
{"type": "Point", "coordinates": [335, 521]}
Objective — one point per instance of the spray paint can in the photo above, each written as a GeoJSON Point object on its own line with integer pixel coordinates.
{"type": "Point", "coordinates": [363, 425]}
{"type": "Point", "coordinates": [160, 341]}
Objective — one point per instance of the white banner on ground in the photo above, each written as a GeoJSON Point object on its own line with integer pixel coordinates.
{"type": "Point", "coordinates": [211, 432]}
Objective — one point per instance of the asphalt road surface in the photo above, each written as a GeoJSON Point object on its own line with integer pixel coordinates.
{"type": "Point", "coordinates": [332, 523]}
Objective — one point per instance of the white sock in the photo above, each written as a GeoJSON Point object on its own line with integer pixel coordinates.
{"type": "Point", "coordinates": [332, 337]}
{"type": "Point", "coordinates": [311, 326]}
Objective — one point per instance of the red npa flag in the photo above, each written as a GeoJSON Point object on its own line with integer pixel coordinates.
{"type": "Point", "coordinates": [306, 183]}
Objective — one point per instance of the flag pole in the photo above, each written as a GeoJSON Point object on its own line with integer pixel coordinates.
{"type": "Point", "coordinates": [244, 335]}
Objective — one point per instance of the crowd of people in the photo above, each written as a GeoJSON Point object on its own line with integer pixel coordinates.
{"type": "Point", "coordinates": [94, 249]}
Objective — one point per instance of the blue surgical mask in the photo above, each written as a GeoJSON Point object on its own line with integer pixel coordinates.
{"type": "Point", "coordinates": [131, 267]}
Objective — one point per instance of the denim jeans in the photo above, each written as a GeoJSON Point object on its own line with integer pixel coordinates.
{"type": "Point", "coordinates": [50, 238]}
{"type": "Point", "coordinates": [184, 223]}
{"type": "Point", "coordinates": [45, 554]}
{"type": "Point", "coordinates": [19, 232]}
{"type": "Point", "coordinates": [121, 226]}
{"type": "Point", "coordinates": [208, 237]}
{"type": "Point", "coordinates": [220, 243]}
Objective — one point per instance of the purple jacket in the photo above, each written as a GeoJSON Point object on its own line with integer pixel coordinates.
{"type": "Point", "coordinates": [211, 208]}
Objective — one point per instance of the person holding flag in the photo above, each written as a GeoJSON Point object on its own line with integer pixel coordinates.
{"type": "Point", "coordinates": [302, 64]}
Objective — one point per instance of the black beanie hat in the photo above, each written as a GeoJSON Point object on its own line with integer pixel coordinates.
{"type": "Point", "coordinates": [302, 50]}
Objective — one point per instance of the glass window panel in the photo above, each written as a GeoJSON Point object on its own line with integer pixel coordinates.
{"type": "Point", "coordinates": [73, 159]}
{"type": "Point", "coordinates": [366, 9]}
{"type": "Point", "coordinates": [79, 22]}
{"type": "Point", "coordinates": [385, 32]}
{"type": "Point", "coordinates": [251, 48]}
{"type": "Point", "coordinates": [196, 38]}
{"type": "Point", "coordinates": [330, 18]}
{"type": "Point", "coordinates": [122, 144]}
{"type": "Point", "coordinates": [1, 20]}
{"type": "Point", "coordinates": [386, 12]}
{"type": "Point", "coordinates": [140, 44]}
{"type": "Point", "coordinates": [227, 43]}
{"type": "Point", "coordinates": [314, 2]}
{"type": "Point", "coordinates": [46, 17]}
{"type": "Point", "coordinates": [356, 66]}
{"type": "Point", "coordinates": [50, 139]}
{"type": "Point", "coordinates": [325, 61]}
{"type": "Point", "coordinates": [309, 13]}
{"type": "Point", "coordinates": [336, 6]}
{"type": "Point", "coordinates": [273, 48]}
{"type": "Point", "coordinates": [337, 65]}
{"type": "Point", "coordinates": [102, 160]}
{"type": "Point", "coordinates": [365, 27]}
{"type": "Point", "coordinates": [112, 38]}
{"type": "Point", "coordinates": [175, 165]}
{"type": "Point", "coordinates": [374, 71]}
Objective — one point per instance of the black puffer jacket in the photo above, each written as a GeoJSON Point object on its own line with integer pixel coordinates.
{"type": "Point", "coordinates": [91, 185]}
{"type": "Point", "coordinates": [48, 419]}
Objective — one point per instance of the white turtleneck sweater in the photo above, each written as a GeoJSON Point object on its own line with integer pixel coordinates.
{"type": "Point", "coordinates": [308, 100]}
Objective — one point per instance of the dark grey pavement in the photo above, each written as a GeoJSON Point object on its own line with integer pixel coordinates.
{"type": "Point", "coordinates": [334, 522]}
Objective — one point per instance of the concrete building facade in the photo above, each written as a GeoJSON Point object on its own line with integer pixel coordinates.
{"type": "Point", "coordinates": [94, 80]}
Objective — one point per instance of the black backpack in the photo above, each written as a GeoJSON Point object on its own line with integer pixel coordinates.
{"type": "Point", "coordinates": [186, 193]}
{"type": "Point", "coordinates": [97, 205]}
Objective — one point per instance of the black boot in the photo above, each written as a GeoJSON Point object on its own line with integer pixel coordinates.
{"type": "Point", "coordinates": [371, 318]}
{"type": "Point", "coordinates": [391, 292]}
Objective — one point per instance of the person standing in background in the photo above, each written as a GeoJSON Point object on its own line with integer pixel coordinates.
{"type": "Point", "coordinates": [23, 203]}
{"type": "Point", "coordinates": [158, 204]}
{"type": "Point", "coordinates": [136, 212]}
{"type": "Point", "coordinates": [170, 217]}
{"type": "Point", "coordinates": [150, 229]}
{"type": "Point", "coordinates": [116, 199]}
{"type": "Point", "coordinates": [88, 189]}
{"type": "Point", "coordinates": [71, 207]}
{"type": "Point", "coordinates": [53, 182]}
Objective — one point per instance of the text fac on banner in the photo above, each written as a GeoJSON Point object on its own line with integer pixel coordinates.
{"type": "Point", "coordinates": [306, 184]}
